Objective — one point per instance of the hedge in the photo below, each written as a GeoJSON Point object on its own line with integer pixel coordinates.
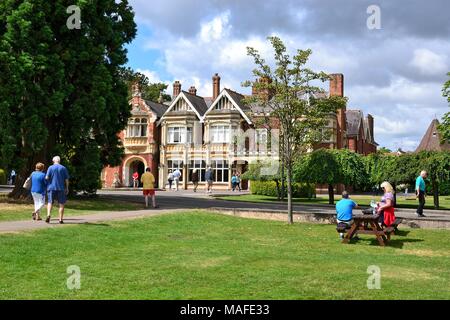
{"type": "Point", "coordinates": [2, 176]}
{"type": "Point", "coordinates": [269, 188]}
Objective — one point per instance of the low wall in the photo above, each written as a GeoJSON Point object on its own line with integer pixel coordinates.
{"type": "Point", "coordinates": [322, 218]}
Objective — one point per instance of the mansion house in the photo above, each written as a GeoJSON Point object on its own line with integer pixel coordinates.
{"type": "Point", "coordinates": [194, 132]}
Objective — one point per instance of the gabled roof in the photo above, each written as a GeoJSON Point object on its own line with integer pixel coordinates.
{"type": "Point", "coordinates": [354, 119]}
{"type": "Point", "coordinates": [158, 108]}
{"type": "Point", "coordinates": [236, 99]}
{"type": "Point", "coordinates": [197, 102]}
{"type": "Point", "coordinates": [431, 141]}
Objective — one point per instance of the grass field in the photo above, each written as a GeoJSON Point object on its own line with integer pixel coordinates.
{"type": "Point", "coordinates": [199, 255]}
{"type": "Point", "coordinates": [21, 210]}
{"type": "Point", "coordinates": [402, 201]}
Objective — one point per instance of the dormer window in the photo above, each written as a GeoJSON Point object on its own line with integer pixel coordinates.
{"type": "Point", "coordinates": [137, 127]}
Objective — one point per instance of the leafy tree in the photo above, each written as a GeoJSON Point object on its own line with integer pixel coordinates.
{"type": "Point", "coordinates": [384, 150]}
{"type": "Point", "coordinates": [331, 167]}
{"type": "Point", "coordinates": [257, 171]}
{"type": "Point", "coordinates": [444, 127]}
{"type": "Point", "coordinates": [61, 88]}
{"type": "Point", "coordinates": [287, 93]}
{"type": "Point", "coordinates": [150, 91]}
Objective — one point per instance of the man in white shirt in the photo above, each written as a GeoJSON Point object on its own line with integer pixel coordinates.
{"type": "Point", "coordinates": [176, 178]}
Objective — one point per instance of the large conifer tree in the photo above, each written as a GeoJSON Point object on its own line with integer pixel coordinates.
{"type": "Point", "coordinates": [60, 88]}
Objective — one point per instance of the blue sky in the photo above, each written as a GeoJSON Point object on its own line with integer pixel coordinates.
{"type": "Point", "coordinates": [395, 73]}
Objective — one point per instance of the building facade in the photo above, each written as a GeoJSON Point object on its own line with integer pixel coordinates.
{"type": "Point", "coordinates": [194, 132]}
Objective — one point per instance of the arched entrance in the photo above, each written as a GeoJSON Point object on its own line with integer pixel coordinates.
{"type": "Point", "coordinates": [135, 164]}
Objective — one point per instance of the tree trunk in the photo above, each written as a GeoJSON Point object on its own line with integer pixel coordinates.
{"type": "Point", "coordinates": [330, 194]}
{"type": "Point", "coordinates": [289, 193]}
{"type": "Point", "coordinates": [435, 186]}
{"type": "Point", "coordinates": [395, 194]}
{"type": "Point", "coordinates": [283, 187]}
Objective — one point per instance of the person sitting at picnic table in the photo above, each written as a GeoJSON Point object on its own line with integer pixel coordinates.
{"type": "Point", "coordinates": [385, 208]}
{"type": "Point", "coordinates": [344, 211]}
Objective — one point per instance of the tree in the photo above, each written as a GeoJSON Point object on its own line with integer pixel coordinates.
{"type": "Point", "coordinates": [331, 167]}
{"type": "Point", "coordinates": [384, 150]}
{"type": "Point", "coordinates": [150, 91]}
{"type": "Point", "coordinates": [61, 88]}
{"type": "Point", "coordinates": [286, 91]}
{"type": "Point", "coordinates": [444, 127]}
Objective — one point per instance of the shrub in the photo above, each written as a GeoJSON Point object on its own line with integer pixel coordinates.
{"type": "Point", "coordinates": [269, 188]}
{"type": "Point", "coordinates": [2, 176]}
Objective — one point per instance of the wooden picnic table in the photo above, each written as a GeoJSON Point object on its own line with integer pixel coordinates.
{"type": "Point", "coordinates": [366, 224]}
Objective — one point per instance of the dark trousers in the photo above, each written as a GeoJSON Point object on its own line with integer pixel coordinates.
{"type": "Point", "coordinates": [421, 202]}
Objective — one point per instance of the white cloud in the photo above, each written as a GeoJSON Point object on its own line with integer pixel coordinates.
{"type": "Point", "coordinates": [429, 63]}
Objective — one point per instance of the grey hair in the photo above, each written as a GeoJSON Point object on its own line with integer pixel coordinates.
{"type": "Point", "coordinates": [56, 159]}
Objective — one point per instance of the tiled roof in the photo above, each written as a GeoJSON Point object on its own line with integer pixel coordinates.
{"type": "Point", "coordinates": [197, 102]}
{"type": "Point", "coordinates": [157, 108]}
{"type": "Point", "coordinates": [431, 141]}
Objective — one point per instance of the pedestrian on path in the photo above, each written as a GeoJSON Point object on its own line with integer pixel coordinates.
{"type": "Point", "coordinates": [176, 178]}
{"type": "Point", "coordinates": [209, 180]}
{"type": "Point", "coordinates": [148, 182]}
{"type": "Point", "coordinates": [195, 179]}
{"type": "Point", "coordinates": [38, 186]}
{"type": "Point", "coordinates": [234, 182]}
{"type": "Point", "coordinates": [170, 179]}
{"type": "Point", "coordinates": [57, 187]}
{"type": "Point", "coordinates": [12, 177]}
{"type": "Point", "coordinates": [238, 180]}
{"type": "Point", "coordinates": [420, 192]}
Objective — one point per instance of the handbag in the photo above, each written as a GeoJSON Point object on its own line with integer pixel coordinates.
{"type": "Point", "coordinates": [27, 184]}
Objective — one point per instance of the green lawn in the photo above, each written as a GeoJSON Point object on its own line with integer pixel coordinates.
{"type": "Point", "coordinates": [200, 255]}
{"type": "Point", "coordinates": [402, 202]}
{"type": "Point", "coordinates": [21, 210]}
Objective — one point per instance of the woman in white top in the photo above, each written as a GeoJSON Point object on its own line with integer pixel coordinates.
{"type": "Point", "coordinates": [170, 179]}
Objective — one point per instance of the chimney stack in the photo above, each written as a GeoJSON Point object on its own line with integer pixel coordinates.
{"type": "Point", "coordinates": [337, 84]}
{"type": "Point", "coordinates": [216, 86]}
{"type": "Point", "coordinates": [264, 93]}
{"type": "Point", "coordinates": [176, 89]}
{"type": "Point", "coordinates": [370, 123]}
{"type": "Point", "coordinates": [193, 91]}
{"type": "Point", "coordinates": [337, 89]}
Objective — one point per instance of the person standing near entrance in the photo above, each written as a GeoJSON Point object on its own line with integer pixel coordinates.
{"type": "Point", "coordinates": [238, 180]}
{"type": "Point", "coordinates": [194, 179]}
{"type": "Point", "coordinates": [420, 192]}
{"type": "Point", "coordinates": [176, 178]}
{"type": "Point", "coordinates": [135, 179]}
{"type": "Point", "coordinates": [209, 180]}
{"type": "Point", "coordinates": [148, 182]}
{"type": "Point", "coordinates": [170, 179]}
{"type": "Point", "coordinates": [57, 187]}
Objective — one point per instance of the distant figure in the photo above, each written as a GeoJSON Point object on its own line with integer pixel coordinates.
{"type": "Point", "coordinates": [176, 178]}
{"type": "Point", "coordinates": [385, 208]}
{"type": "Point", "coordinates": [38, 186]}
{"type": "Point", "coordinates": [13, 177]}
{"type": "Point", "coordinates": [170, 179]}
{"type": "Point", "coordinates": [209, 180]}
{"type": "Point", "coordinates": [135, 179]}
{"type": "Point", "coordinates": [420, 192]}
{"type": "Point", "coordinates": [148, 182]}
{"type": "Point", "coordinates": [238, 180]}
{"type": "Point", "coordinates": [234, 182]}
{"type": "Point", "coordinates": [57, 187]}
{"type": "Point", "coordinates": [344, 211]}
{"type": "Point", "coordinates": [195, 179]}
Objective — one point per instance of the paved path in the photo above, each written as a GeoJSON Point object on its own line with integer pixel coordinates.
{"type": "Point", "coordinates": [95, 218]}
{"type": "Point", "coordinates": [187, 200]}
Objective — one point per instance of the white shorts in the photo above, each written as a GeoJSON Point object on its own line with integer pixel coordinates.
{"type": "Point", "coordinates": [39, 201]}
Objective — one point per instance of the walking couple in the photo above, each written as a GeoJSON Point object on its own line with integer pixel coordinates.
{"type": "Point", "coordinates": [54, 184]}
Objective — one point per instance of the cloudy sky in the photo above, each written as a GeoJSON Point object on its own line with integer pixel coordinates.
{"type": "Point", "coordinates": [395, 73]}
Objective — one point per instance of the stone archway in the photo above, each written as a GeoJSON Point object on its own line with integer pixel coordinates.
{"type": "Point", "coordinates": [134, 164]}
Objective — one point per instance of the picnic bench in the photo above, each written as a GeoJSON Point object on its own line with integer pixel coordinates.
{"type": "Point", "coordinates": [369, 224]}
